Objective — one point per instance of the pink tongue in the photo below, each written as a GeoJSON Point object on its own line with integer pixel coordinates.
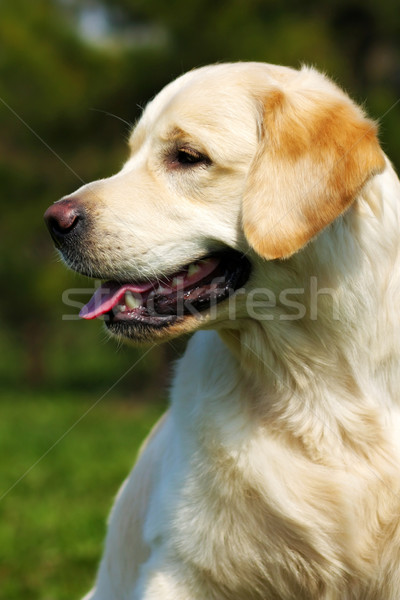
{"type": "Point", "coordinates": [107, 296]}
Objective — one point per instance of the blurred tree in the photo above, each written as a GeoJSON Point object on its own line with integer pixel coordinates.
{"type": "Point", "coordinates": [356, 42]}
{"type": "Point", "coordinates": [48, 147]}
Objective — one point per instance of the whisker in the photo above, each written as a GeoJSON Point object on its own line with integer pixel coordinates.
{"type": "Point", "coordinates": [105, 112]}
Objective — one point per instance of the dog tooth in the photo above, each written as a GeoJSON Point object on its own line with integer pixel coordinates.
{"type": "Point", "coordinates": [177, 282]}
{"type": "Point", "coordinates": [162, 290]}
{"type": "Point", "coordinates": [121, 308]}
{"type": "Point", "coordinates": [193, 269]}
{"type": "Point", "coordinates": [131, 301]}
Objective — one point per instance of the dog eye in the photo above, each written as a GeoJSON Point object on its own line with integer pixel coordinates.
{"type": "Point", "coordinates": [187, 157]}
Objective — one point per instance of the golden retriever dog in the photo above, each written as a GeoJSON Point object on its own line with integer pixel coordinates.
{"type": "Point", "coordinates": [256, 206]}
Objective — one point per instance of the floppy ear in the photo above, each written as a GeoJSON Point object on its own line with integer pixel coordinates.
{"type": "Point", "coordinates": [317, 151]}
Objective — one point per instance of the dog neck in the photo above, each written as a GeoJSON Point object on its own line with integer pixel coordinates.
{"type": "Point", "coordinates": [328, 351]}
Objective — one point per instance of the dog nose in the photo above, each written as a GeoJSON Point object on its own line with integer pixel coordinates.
{"type": "Point", "coordinates": [62, 218]}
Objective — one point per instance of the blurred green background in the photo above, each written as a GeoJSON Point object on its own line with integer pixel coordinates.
{"type": "Point", "coordinates": [73, 77]}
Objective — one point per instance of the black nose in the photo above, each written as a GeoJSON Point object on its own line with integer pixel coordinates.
{"type": "Point", "coordinates": [64, 218]}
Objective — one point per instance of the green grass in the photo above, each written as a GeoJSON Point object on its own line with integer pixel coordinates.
{"type": "Point", "coordinates": [53, 513]}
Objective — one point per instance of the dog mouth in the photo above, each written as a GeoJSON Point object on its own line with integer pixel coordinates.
{"type": "Point", "coordinates": [163, 301]}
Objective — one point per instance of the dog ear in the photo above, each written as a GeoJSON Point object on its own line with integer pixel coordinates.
{"type": "Point", "coordinates": [317, 151]}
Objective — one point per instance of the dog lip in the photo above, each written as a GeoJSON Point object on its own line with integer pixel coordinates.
{"type": "Point", "coordinates": [159, 304]}
{"type": "Point", "coordinates": [109, 296]}
{"type": "Point", "coordinates": [162, 310]}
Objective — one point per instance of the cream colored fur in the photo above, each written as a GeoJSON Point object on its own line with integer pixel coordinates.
{"type": "Point", "coordinates": [275, 473]}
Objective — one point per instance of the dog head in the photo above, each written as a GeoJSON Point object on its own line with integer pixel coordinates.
{"type": "Point", "coordinates": [230, 166]}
